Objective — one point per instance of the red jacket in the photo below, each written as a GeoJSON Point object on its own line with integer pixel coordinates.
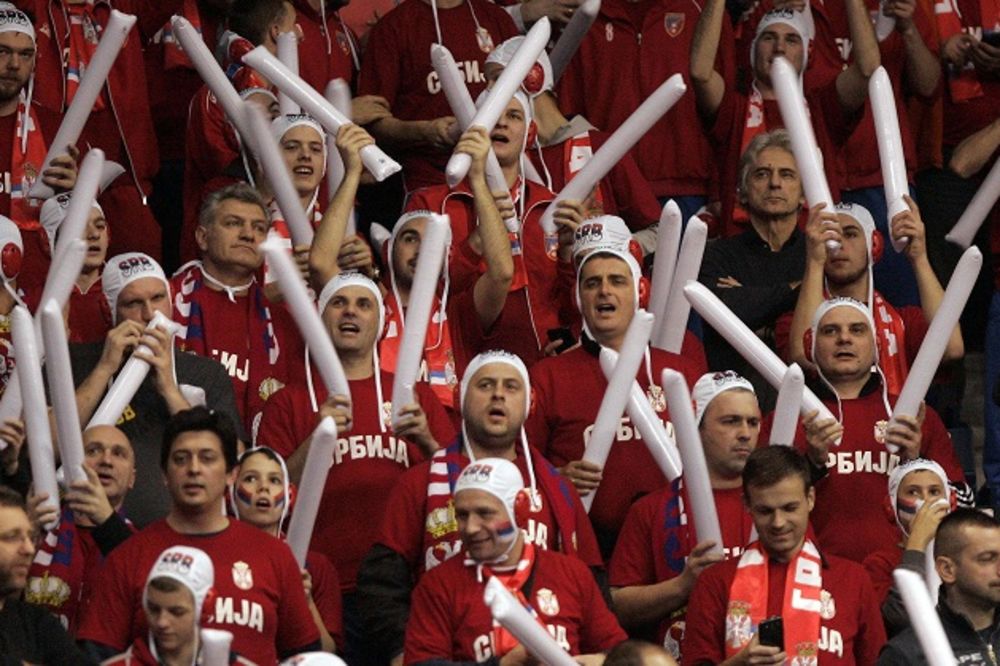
{"type": "Point", "coordinates": [126, 89]}
{"type": "Point", "coordinates": [328, 50]}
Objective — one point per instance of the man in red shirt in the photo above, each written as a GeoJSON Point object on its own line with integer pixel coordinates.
{"type": "Point", "coordinates": [396, 67]}
{"type": "Point", "coordinates": [569, 389]}
{"type": "Point", "coordinates": [89, 316]}
{"type": "Point", "coordinates": [371, 455]}
{"type": "Point", "coordinates": [260, 600]}
{"type": "Point", "coordinates": [419, 531]}
{"type": "Point", "coordinates": [836, 619]}
{"type": "Point", "coordinates": [848, 272]}
{"type": "Point", "coordinates": [630, 50]}
{"type": "Point", "coordinates": [120, 123]}
{"type": "Point", "coordinates": [656, 560]}
{"type": "Point", "coordinates": [565, 146]}
{"type": "Point", "coordinates": [733, 117]}
{"type": "Point", "coordinates": [845, 352]}
{"type": "Point", "coordinates": [449, 619]}
{"type": "Point", "coordinates": [329, 49]}
{"type": "Point", "coordinates": [23, 145]}
{"type": "Point", "coordinates": [538, 301]}
{"type": "Point", "coordinates": [223, 309]}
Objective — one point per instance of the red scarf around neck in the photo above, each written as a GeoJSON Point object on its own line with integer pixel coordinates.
{"type": "Point", "coordinates": [800, 608]}
{"type": "Point", "coordinates": [84, 35]}
{"type": "Point", "coordinates": [24, 168]}
{"type": "Point", "coordinates": [514, 579]}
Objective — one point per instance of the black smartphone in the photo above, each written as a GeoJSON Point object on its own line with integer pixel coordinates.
{"type": "Point", "coordinates": [564, 336]}
{"type": "Point", "coordinates": [992, 38]}
{"type": "Point", "coordinates": [771, 632]}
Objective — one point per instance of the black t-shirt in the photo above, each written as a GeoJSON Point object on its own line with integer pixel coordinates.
{"type": "Point", "coordinates": [31, 634]}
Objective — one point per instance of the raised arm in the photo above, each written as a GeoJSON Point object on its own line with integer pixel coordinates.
{"type": "Point", "coordinates": [852, 83]}
{"type": "Point", "coordinates": [909, 224]}
{"type": "Point", "coordinates": [490, 237]}
{"type": "Point", "coordinates": [708, 83]}
{"type": "Point", "coordinates": [811, 289]}
{"type": "Point", "coordinates": [330, 234]}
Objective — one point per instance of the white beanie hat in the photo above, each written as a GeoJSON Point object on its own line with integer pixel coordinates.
{"type": "Point", "coordinates": [902, 470]}
{"type": "Point", "coordinates": [281, 125]}
{"type": "Point", "coordinates": [348, 279]}
{"type": "Point", "coordinates": [495, 356]}
{"type": "Point", "coordinates": [314, 659]}
{"type": "Point", "coordinates": [711, 384]}
{"type": "Point", "coordinates": [801, 22]}
{"type": "Point", "coordinates": [601, 233]}
{"type": "Point", "coordinates": [494, 476]}
{"type": "Point", "coordinates": [123, 269]}
{"type": "Point", "coordinates": [539, 78]}
{"type": "Point", "coordinates": [190, 567]}
{"type": "Point", "coordinates": [14, 20]}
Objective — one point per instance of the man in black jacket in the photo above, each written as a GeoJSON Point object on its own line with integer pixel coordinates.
{"type": "Point", "coordinates": [967, 557]}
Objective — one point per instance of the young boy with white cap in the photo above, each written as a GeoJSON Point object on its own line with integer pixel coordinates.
{"type": "Point", "coordinates": [450, 621]}
{"type": "Point", "coordinates": [656, 560]}
{"type": "Point", "coordinates": [178, 594]}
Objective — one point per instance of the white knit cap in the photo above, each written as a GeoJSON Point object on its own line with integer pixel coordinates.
{"type": "Point", "coordinates": [53, 214]}
{"type": "Point", "coordinates": [905, 467]}
{"type": "Point", "coordinates": [711, 384]}
{"type": "Point", "coordinates": [494, 476]}
{"type": "Point", "coordinates": [801, 22]}
{"type": "Point", "coordinates": [14, 20]}
{"type": "Point", "coordinates": [281, 125]}
{"type": "Point", "coordinates": [607, 251]}
{"type": "Point", "coordinates": [495, 356]}
{"type": "Point", "coordinates": [601, 232]}
{"type": "Point", "coordinates": [123, 269]}
{"type": "Point", "coordinates": [190, 567]}
{"type": "Point", "coordinates": [314, 659]}
{"type": "Point", "coordinates": [539, 78]}
{"type": "Point", "coordinates": [348, 279]}
{"type": "Point", "coordinates": [840, 302]}
{"type": "Point", "coordinates": [11, 249]}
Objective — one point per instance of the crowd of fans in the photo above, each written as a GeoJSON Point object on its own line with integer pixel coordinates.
{"type": "Point", "coordinates": [177, 523]}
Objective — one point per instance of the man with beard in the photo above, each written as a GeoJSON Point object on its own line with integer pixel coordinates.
{"type": "Point", "coordinates": [28, 633]}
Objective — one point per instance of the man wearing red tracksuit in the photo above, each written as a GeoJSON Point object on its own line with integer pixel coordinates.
{"type": "Point", "coordinates": [121, 122]}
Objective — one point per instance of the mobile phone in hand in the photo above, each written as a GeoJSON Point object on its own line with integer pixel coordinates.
{"type": "Point", "coordinates": [771, 632]}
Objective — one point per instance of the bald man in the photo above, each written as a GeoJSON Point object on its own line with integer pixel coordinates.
{"type": "Point", "coordinates": [91, 525]}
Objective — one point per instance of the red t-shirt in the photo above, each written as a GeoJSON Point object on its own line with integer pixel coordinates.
{"type": "Point", "coordinates": [831, 54]}
{"type": "Point", "coordinates": [848, 516]}
{"type": "Point", "coordinates": [405, 517]}
{"type": "Point", "coordinates": [629, 51]}
{"type": "Point", "coordinates": [449, 620]}
{"type": "Point", "coordinates": [367, 463]}
{"type": "Point", "coordinates": [260, 598]}
{"type": "Point", "coordinates": [854, 635]}
{"type": "Point", "coordinates": [964, 117]}
{"type": "Point", "coordinates": [624, 191]}
{"type": "Point", "coordinates": [567, 391]}
{"type": "Point", "coordinates": [397, 66]}
{"type": "Point", "coordinates": [658, 536]}
{"type": "Point", "coordinates": [328, 49]}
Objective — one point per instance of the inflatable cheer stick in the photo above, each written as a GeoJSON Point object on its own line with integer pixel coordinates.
{"type": "Point", "coordinates": [670, 336]}
{"type": "Point", "coordinates": [788, 407]}
{"type": "Point", "coordinates": [890, 147]}
{"type": "Point", "coordinates": [660, 443]}
{"type": "Point", "coordinates": [501, 93]}
{"type": "Point", "coordinates": [375, 160]}
{"type": "Point", "coordinates": [619, 143]}
{"type": "Point", "coordinates": [59, 371]}
{"type": "Point", "coordinates": [36, 417]}
{"type": "Point", "coordinates": [616, 395]}
{"type": "Point", "coordinates": [423, 292]}
{"type": "Point", "coordinates": [96, 74]}
{"type": "Point", "coordinates": [696, 479]}
{"type": "Point", "coordinates": [318, 463]}
{"type": "Point", "coordinates": [129, 380]}
{"type": "Point", "coordinates": [788, 89]}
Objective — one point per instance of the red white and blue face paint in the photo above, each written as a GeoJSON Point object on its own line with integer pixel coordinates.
{"type": "Point", "coordinates": [260, 491]}
{"type": "Point", "coordinates": [906, 509]}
